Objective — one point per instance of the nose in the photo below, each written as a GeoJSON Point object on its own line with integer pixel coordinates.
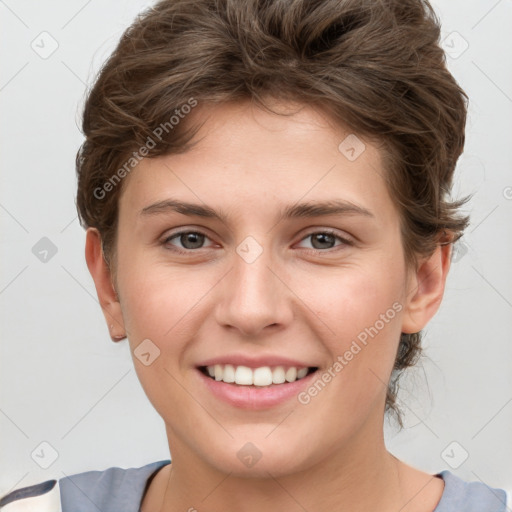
{"type": "Point", "coordinates": [254, 297]}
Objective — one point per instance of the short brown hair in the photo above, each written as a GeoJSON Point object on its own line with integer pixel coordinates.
{"type": "Point", "coordinates": [374, 65]}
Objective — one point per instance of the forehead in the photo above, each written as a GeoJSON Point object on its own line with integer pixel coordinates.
{"type": "Point", "coordinates": [248, 158]}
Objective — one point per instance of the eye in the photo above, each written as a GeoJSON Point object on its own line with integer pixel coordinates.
{"type": "Point", "coordinates": [325, 240]}
{"type": "Point", "coordinates": [194, 240]}
{"type": "Point", "coordinates": [190, 240]}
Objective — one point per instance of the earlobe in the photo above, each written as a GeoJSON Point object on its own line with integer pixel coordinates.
{"type": "Point", "coordinates": [425, 289]}
{"type": "Point", "coordinates": [105, 290]}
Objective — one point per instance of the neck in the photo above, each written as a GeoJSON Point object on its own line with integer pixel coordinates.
{"type": "Point", "coordinates": [359, 477]}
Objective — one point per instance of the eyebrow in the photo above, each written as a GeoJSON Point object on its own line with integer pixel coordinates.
{"type": "Point", "coordinates": [301, 210]}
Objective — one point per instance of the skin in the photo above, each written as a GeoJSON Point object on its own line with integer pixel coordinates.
{"type": "Point", "coordinates": [310, 305]}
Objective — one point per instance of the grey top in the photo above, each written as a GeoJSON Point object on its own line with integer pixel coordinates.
{"type": "Point", "coordinates": [116, 489]}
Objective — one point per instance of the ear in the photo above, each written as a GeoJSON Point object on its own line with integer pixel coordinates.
{"type": "Point", "coordinates": [101, 275]}
{"type": "Point", "coordinates": [425, 289]}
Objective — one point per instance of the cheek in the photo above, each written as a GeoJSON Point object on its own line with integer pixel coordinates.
{"type": "Point", "coordinates": [157, 305]}
{"type": "Point", "coordinates": [352, 299]}
{"type": "Point", "coordinates": [156, 299]}
{"type": "Point", "coordinates": [363, 309]}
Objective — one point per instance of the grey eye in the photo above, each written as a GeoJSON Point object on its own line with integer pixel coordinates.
{"type": "Point", "coordinates": [322, 240]}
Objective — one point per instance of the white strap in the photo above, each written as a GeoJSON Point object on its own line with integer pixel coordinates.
{"type": "Point", "coordinates": [47, 502]}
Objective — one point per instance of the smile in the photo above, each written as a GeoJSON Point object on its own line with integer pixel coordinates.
{"type": "Point", "coordinates": [255, 389]}
{"type": "Point", "coordinates": [262, 376]}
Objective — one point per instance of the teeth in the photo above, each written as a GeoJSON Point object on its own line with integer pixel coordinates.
{"type": "Point", "coordinates": [301, 373]}
{"type": "Point", "coordinates": [244, 376]}
{"type": "Point", "coordinates": [291, 374]}
{"type": "Point", "coordinates": [278, 375]}
{"type": "Point", "coordinates": [263, 376]}
{"type": "Point", "coordinates": [229, 373]}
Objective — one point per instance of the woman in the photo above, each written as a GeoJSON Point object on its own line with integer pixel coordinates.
{"type": "Point", "coordinates": [265, 190]}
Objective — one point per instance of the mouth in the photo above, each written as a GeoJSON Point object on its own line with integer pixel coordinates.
{"type": "Point", "coordinates": [261, 377]}
{"type": "Point", "coordinates": [257, 383]}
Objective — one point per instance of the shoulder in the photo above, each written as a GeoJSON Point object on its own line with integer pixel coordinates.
{"type": "Point", "coordinates": [462, 496]}
{"type": "Point", "coordinates": [111, 489]}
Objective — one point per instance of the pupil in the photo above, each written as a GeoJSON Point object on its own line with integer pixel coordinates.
{"type": "Point", "coordinates": [325, 238]}
{"type": "Point", "coordinates": [195, 239]}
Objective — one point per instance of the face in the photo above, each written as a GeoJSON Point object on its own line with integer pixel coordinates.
{"type": "Point", "coordinates": [254, 287]}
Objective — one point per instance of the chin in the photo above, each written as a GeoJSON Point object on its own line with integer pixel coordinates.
{"type": "Point", "coordinates": [260, 458]}
{"type": "Point", "coordinates": [266, 467]}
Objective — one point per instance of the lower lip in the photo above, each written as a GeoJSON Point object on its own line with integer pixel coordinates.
{"type": "Point", "coordinates": [255, 397]}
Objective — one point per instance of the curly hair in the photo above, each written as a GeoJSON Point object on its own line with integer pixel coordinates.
{"type": "Point", "coordinates": [375, 65]}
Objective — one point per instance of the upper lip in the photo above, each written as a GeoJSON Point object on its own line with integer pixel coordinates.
{"type": "Point", "coordinates": [255, 362]}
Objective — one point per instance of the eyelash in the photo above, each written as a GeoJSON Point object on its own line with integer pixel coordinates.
{"type": "Point", "coordinates": [315, 251]}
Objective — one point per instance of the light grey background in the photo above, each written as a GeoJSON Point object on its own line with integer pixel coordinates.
{"type": "Point", "coordinates": [63, 381]}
